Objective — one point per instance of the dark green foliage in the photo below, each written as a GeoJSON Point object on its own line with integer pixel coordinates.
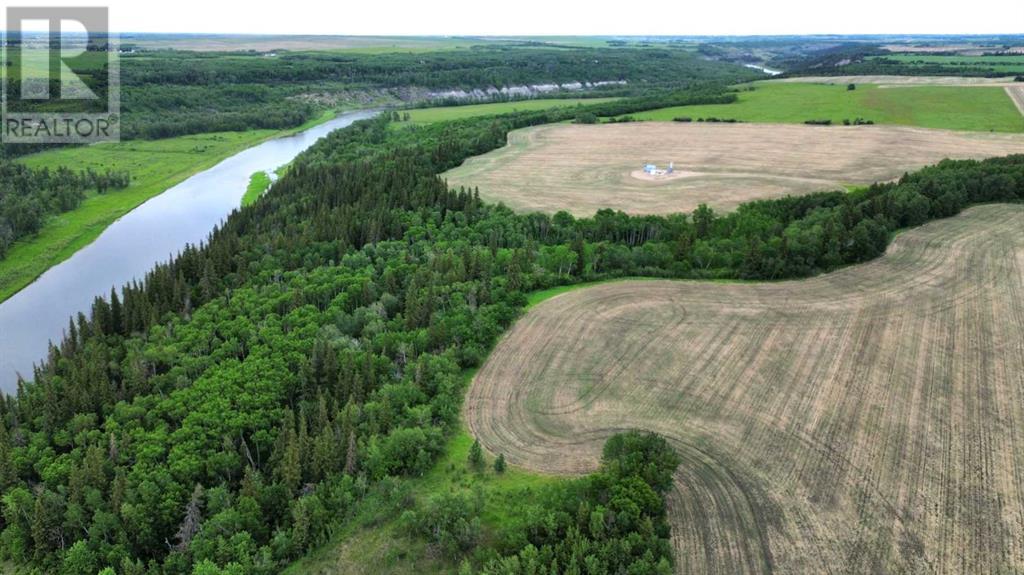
{"type": "Point", "coordinates": [476, 456]}
{"type": "Point", "coordinates": [450, 523]}
{"type": "Point", "coordinates": [610, 522]}
{"type": "Point", "coordinates": [864, 59]}
{"type": "Point", "coordinates": [173, 93]}
{"type": "Point", "coordinates": [499, 464]}
{"type": "Point", "coordinates": [585, 118]}
{"type": "Point", "coordinates": [28, 196]}
{"type": "Point", "coordinates": [646, 455]}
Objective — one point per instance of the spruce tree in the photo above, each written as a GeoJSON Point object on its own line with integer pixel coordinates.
{"type": "Point", "coordinates": [476, 456]}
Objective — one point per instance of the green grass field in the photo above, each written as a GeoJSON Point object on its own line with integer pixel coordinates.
{"type": "Point", "coordinates": [258, 183]}
{"type": "Point", "coordinates": [445, 113]}
{"type": "Point", "coordinates": [375, 540]}
{"type": "Point", "coordinates": [36, 64]}
{"type": "Point", "coordinates": [955, 108]}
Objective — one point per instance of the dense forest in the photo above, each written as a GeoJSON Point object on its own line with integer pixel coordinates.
{"type": "Point", "coordinates": [226, 414]}
{"type": "Point", "coordinates": [28, 196]}
{"type": "Point", "coordinates": [172, 93]}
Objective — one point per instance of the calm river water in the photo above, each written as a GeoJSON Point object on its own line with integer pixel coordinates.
{"type": "Point", "coordinates": [151, 233]}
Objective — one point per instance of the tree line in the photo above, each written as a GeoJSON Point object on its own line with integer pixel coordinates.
{"type": "Point", "coordinates": [29, 196]}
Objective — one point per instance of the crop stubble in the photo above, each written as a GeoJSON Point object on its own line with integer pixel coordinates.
{"type": "Point", "coordinates": [581, 168]}
{"type": "Point", "coordinates": [867, 420]}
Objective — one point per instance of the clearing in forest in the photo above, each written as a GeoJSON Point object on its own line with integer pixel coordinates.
{"type": "Point", "coordinates": [583, 168]}
{"type": "Point", "coordinates": [867, 420]}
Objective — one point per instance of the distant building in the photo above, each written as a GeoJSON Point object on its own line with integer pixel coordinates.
{"type": "Point", "coordinates": [652, 169]}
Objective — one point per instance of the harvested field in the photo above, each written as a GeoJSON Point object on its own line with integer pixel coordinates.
{"type": "Point", "coordinates": [582, 168]}
{"type": "Point", "coordinates": [868, 420]}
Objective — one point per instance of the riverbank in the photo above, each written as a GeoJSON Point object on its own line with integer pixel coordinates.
{"type": "Point", "coordinates": [155, 166]}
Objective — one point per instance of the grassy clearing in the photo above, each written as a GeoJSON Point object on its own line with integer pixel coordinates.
{"type": "Point", "coordinates": [375, 540]}
{"type": "Point", "coordinates": [446, 113]}
{"type": "Point", "coordinates": [258, 183]}
{"type": "Point", "coordinates": [154, 166]}
{"type": "Point", "coordinates": [869, 397]}
{"type": "Point", "coordinates": [948, 107]}
{"type": "Point", "coordinates": [541, 296]}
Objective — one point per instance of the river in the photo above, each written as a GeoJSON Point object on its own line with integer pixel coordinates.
{"type": "Point", "coordinates": [768, 71]}
{"type": "Point", "coordinates": [128, 248]}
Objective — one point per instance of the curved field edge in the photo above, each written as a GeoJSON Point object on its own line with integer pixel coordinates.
{"type": "Point", "coordinates": [825, 424]}
{"type": "Point", "coordinates": [155, 167]}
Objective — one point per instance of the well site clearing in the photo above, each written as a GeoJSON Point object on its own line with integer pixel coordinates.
{"type": "Point", "coordinates": [583, 168]}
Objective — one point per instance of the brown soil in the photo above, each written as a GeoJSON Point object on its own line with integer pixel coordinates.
{"type": "Point", "coordinates": [582, 168]}
{"type": "Point", "coordinates": [868, 420]}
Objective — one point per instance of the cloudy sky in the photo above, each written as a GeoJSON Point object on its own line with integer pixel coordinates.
{"type": "Point", "coordinates": [554, 17]}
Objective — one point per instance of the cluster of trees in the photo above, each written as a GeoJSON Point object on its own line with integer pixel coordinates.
{"type": "Point", "coordinates": [28, 196]}
{"type": "Point", "coordinates": [612, 521]}
{"type": "Point", "coordinates": [712, 119]}
{"type": "Point", "coordinates": [230, 410]}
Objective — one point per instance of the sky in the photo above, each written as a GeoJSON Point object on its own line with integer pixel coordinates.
{"type": "Point", "coordinates": [555, 17]}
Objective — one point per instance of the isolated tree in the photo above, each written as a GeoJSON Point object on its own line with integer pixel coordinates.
{"type": "Point", "coordinates": [851, 87]}
{"type": "Point", "coordinates": [499, 464]}
{"type": "Point", "coordinates": [476, 456]}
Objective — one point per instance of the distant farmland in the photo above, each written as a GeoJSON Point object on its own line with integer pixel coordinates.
{"type": "Point", "coordinates": [866, 421]}
{"type": "Point", "coordinates": [584, 168]}
{"type": "Point", "coordinates": [1006, 64]}
{"type": "Point", "coordinates": [975, 108]}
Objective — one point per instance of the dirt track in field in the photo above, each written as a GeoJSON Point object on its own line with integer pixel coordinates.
{"type": "Point", "coordinates": [585, 168]}
{"type": "Point", "coordinates": [1016, 94]}
{"type": "Point", "coordinates": [868, 420]}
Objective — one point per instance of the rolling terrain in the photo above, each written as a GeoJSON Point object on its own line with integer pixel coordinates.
{"type": "Point", "coordinates": [867, 420]}
{"type": "Point", "coordinates": [585, 168]}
